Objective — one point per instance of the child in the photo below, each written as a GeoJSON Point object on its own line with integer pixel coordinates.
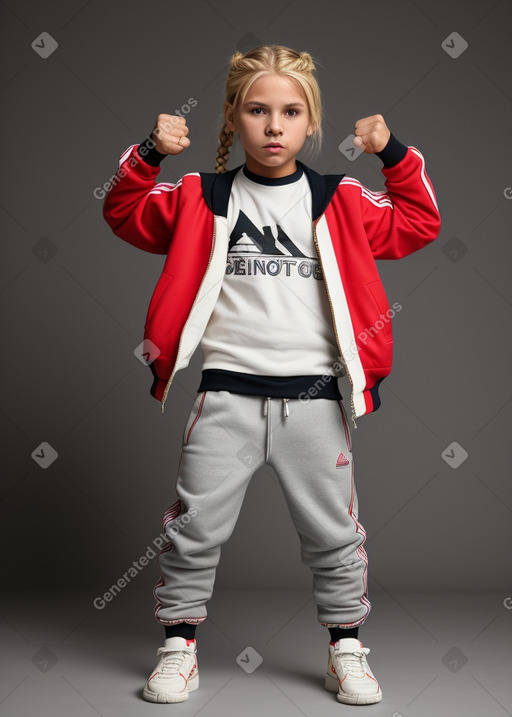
{"type": "Point", "coordinates": [271, 267]}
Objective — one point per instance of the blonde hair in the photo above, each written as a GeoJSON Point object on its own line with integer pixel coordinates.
{"type": "Point", "coordinates": [263, 60]}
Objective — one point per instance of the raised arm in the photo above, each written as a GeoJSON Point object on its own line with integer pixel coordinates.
{"type": "Point", "coordinates": [138, 210]}
{"type": "Point", "coordinates": [406, 217]}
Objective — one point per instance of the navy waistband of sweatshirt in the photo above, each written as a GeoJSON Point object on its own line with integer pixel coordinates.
{"type": "Point", "coordinates": [216, 379]}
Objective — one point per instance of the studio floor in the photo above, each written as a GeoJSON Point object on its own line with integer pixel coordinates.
{"type": "Point", "coordinates": [448, 655]}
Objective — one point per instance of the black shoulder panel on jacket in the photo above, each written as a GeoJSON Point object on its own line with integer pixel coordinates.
{"type": "Point", "coordinates": [217, 188]}
{"type": "Point", "coordinates": [322, 186]}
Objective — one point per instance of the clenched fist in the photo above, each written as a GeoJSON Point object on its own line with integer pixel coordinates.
{"type": "Point", "coordinates": [372, 134]}
{"type": "Point", "coordinates": [169, 134]}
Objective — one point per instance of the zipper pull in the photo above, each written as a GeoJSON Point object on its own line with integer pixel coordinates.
{"type": "Point", "coordinates": [285, 406]}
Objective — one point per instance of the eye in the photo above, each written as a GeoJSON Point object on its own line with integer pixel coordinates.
{"type": "Point", "coordinates": [255, 110]}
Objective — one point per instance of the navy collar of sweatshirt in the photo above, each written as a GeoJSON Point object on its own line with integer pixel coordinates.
{"type": "Point", "coordinates": [217, 187]}
{"type": "Point", "coordinates": [272, 181]}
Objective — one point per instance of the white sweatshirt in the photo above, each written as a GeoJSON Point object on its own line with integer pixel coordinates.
{"type": "Point", "coordinates": [272, 316]}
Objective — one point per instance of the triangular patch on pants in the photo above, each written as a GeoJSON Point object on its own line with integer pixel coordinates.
{"type": "Point", "coordinates": [342, 460]}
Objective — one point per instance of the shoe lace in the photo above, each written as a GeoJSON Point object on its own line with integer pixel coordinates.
{"type": "Point", "coordinates": [172, 660]}
{"type": "Point", "coordinates": [352, 662]}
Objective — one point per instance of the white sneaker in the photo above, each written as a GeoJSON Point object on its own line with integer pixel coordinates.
{"type": "Point", "coordinates": [349, 674]}
{"type": "Point", "coordinates": [176, 674]}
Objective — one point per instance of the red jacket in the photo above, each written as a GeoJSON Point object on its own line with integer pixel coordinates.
{"type": "Point", "coordinates": [352, 227]}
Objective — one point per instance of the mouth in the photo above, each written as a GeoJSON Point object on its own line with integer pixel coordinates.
{"type": "Point", "coordinates": [273, 147]}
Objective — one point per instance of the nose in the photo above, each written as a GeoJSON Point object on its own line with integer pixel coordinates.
{"type": "Point", "coordinates": [274, 124]}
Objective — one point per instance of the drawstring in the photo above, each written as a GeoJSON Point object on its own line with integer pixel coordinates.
{"type": "Point", "coordinates": [267, 411]}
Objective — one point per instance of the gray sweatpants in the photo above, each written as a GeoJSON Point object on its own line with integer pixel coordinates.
{"type": "Point", "coordinates": [227, 437]}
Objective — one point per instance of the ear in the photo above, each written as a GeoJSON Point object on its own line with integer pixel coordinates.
{"type": "Point", "coordinates": [229, 117]}
{"type": "Point", "coordinates": [311, 129]}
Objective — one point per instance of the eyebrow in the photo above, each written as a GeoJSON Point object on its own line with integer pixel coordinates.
{"type": "Point", "coordinates": [262, 104]}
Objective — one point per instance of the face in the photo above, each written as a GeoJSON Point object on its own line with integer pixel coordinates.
{"type": "Point", "coordinates": [274, 111]}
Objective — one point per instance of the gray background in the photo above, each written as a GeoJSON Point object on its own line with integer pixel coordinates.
{"type": "Point", "coordinates": [75, 298]}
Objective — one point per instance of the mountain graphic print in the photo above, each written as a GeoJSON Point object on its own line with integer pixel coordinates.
{"type": "Point", "coordinates": [253, 251]}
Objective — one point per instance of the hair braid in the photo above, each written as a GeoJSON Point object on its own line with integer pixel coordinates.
{"type": "Point", "coordinates": [225, 141]}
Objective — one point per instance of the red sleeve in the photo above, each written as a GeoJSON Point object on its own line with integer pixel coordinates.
{"type": "Point", "coordinates": [406, 217]}
{"type": "Point", "coordinates": [138, 210]}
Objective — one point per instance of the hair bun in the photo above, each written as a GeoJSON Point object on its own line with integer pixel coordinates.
{"type": "Point", "coordinates": [236, 57]}
{"type": "Point", "coordinates": [307, 62]}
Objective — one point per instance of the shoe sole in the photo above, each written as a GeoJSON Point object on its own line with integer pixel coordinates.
{"type": "Point", "coordinates": [165, 698]}
{"type": "Point", "coordinates": [332, 685]}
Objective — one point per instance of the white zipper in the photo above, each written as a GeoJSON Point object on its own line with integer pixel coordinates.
{"type": "Point", "coordinates": [166, 391]}
{"type": "Point", "coordinates": [334, 324]}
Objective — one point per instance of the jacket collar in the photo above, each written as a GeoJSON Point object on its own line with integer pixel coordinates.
{"type": "Point", "coordinates": [217, 188]}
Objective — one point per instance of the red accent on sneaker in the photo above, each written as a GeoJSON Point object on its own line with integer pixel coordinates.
{"type": "Point", "coordinates": [191, 642]}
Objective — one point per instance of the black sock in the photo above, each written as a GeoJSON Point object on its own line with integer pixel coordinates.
{"type": "Point", "coordinates": [181, 629]}
{"type": "Point", "coordinates": [338, 633]}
